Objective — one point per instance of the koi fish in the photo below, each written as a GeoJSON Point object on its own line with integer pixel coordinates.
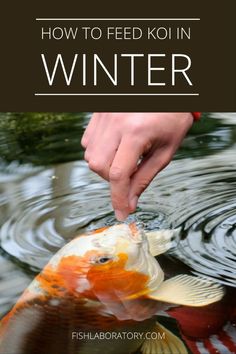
{"type": "Point", "coordinates": [98, 288]}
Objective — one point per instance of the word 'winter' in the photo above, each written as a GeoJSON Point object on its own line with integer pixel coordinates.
{"type": "Point", "coordinates": [84, 68]}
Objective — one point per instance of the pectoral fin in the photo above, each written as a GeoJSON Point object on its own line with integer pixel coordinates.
{"type": "Point", "coordinates": [161, 241]}
{"type": "Point", "coordinates": [164, 342]}
{"type": "Point", "coordinates": [189, 291]}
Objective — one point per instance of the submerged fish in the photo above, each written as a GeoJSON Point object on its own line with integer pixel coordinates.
{"type": "Point", "coordinates": [100, 293]}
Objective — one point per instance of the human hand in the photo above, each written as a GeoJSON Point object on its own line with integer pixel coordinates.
{"type": "Point", "coordinates": [129, 149]}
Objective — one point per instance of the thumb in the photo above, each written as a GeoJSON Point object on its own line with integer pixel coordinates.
{"type": "Point", "coordinates": [147, 170]}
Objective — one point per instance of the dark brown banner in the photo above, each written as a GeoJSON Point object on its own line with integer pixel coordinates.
{"type": "Point", "coordinates": [176, 56]}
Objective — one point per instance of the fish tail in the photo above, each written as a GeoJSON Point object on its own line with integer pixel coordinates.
{"type": "Point", "coordinates": [228, 341]}
{"type": "Point", "coordinates": [224, 342]}
{"type": "Point", "coordinates": [192, 345]}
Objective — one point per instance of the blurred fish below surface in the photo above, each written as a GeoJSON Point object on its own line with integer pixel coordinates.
{"type": "Point", "coordinates": [107, 281]}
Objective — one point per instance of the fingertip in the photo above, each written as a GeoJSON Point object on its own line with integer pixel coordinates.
{"type": "Point", "coordinates": [121, 215]}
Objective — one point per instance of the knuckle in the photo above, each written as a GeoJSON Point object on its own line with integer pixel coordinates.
{"type": "Point", "coordinates": [136, 126]}
{"type": "Point", "coordinates": [96, 166]}
{"type": "Point", "coordinates": [84, 142]}
{"type": "Point", "coordinates": [115, 174]}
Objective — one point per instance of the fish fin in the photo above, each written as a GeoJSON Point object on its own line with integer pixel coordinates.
{"type": "Point", "coordinates": [164, 342]}
{"type": "Point", "coordinates": [189, 291]}
{"type": "Point", "coordinates": [161, 241]}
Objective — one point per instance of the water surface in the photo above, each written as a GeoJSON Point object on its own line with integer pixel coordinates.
{"type": "Point", "coordinates": [48, 196]}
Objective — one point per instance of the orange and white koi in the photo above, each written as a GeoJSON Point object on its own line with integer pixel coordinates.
{"type": "Point", "coordinates": [107, 281]}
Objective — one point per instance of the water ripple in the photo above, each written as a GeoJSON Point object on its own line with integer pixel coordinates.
{"type": "Point", "coordinates": [42, 209]}
{"type": "Point", "coordinates": [54, 206]}
{"type": "Point", "coordinates": [201, 199]}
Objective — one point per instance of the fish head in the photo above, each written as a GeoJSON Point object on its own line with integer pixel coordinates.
{"type": "Point", "coordinates": [116, 267]}
{"type": "Point", "coordinates": [113, 263]}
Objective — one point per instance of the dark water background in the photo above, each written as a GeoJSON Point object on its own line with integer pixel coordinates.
{"type": "Point", "coordinates": [48, 196]}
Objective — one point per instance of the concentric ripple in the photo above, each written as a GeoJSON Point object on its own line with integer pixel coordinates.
{"type": "Point", "coordinates": [53, 206]}
{"type": "Point", "coordinates": [202, 200]}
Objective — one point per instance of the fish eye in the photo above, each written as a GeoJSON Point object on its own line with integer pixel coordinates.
{"type": "Point", "coordinates": [102, 260]}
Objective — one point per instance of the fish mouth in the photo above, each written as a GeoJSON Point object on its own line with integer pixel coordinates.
{"type": "Point", "coordinates": [136, 235]}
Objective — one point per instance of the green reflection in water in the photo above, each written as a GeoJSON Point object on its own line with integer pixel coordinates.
{"type": "Point", "coordinates": [48, 138]}
{"type": "Point", "coordinates": [41, 138]}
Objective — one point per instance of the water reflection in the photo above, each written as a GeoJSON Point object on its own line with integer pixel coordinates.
{"type": "Point", "coordinates": [201, 198]}
{"type": "Point", "coordinates": [42, 208]}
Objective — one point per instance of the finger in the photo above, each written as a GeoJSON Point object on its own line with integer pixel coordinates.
{"type": "Point", "coordinates": [122, 168]}
{"type": "Point", "coordinates": [147, 170]}
{"type": "Point", "coordinates": [101, 159]}
{"type": "Point", "coordinates": [92, 136]}
{"type": "Point", "coordinates": [102, 147]}
{"type": "Point", "coordinates": [90, 130]}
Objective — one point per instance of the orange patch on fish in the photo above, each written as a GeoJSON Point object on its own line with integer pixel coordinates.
{"type": "Point", "coordinates": [4, 322]}
{"type": "Point", "coordinates": [113, 282]}
{"type": "Point", "coordinates": [51, 283]}
{"type": "Point", "coordinates": [65, 277]}
{"type": "Point", "coordinates": [98, 231]}
{"type": "Point", "coordinates": [109, 281]}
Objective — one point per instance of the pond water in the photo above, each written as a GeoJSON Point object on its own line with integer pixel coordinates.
{"type": "Point", "coordinates": [48, 196]}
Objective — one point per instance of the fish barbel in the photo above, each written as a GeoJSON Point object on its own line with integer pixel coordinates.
{"type": "Point", "coordinates": [95, 290]}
